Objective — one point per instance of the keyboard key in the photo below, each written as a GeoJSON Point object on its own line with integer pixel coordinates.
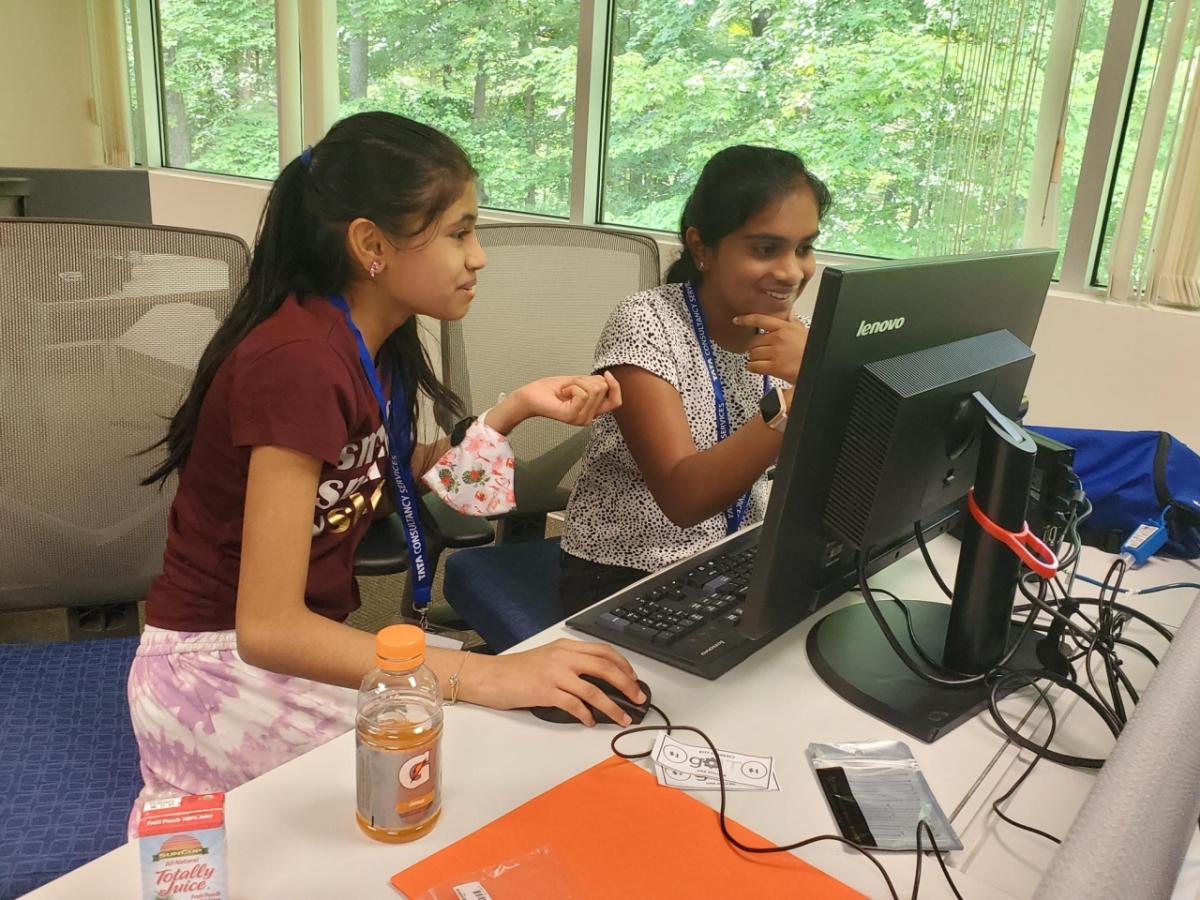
{"type": "Point", "coordinates": [641, 633]}
{"type": "Point", "coordinates": [612, 623]}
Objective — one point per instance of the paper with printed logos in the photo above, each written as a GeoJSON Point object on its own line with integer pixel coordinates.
{"type": "Point", "coordinates": [670, 778]}
{"type": "Point", "coordinates": [694, 768]}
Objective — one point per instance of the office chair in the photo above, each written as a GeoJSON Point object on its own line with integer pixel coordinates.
{"type": "Point", "coordinates": [101, 327]}
{"type": "Point", "coordinates": [541, 304]}
{"type": "Point", "coordinates": [1132, 834]}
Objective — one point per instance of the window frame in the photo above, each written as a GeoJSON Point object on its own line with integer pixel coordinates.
{"type": "Point", "coordinates": [302, 26]}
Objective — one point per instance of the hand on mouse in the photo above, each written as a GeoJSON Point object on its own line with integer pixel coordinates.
{"type": "Point", "coordinates": [549, 676]}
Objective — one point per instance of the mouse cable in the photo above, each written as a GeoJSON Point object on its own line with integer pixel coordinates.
{"type": "Point", "coordinates": [1042, 698]}
{"type": "Point", "coordinates": [746, 848]}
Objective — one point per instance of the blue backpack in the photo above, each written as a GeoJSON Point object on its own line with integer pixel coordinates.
{"type": "Point", "coordinates": [1131, 477]}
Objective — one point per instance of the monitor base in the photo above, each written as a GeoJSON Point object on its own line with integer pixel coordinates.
{"type": "Point", "coordinates": [851, 655]}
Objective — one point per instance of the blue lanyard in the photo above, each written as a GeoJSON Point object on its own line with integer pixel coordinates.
{"type": "Point", "coordinates": [395, 421]}
{"type": "Point", "coordinates": [736, 513]}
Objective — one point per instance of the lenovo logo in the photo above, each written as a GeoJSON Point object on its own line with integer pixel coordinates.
{"type": "Point", "coordinates": [882, 325]}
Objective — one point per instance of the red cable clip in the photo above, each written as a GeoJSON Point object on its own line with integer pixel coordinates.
{"type": "Point", "coordinates": [1018, 542]}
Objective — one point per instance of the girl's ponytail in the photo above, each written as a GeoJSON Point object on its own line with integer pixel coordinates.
{"type": "Point", "coordinates": [278, 256]}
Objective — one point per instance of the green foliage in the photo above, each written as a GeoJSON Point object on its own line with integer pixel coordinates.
{"type": "Point", "coordinates": [888, 101]}
{"type": "Point", "coordinates": [219, 85]}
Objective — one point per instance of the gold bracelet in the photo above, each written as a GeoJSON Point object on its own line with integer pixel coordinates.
{"type": "Point", "coordinates": [456, 681]}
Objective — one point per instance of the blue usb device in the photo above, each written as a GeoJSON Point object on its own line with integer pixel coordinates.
{"type": "Point", "coordinates": [1145, 541]}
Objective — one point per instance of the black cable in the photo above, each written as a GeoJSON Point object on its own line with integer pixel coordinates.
{"type": "Point", "coordinates": [941, 862]}
{"type": "Point", "coordinates": [1139, 648]}
{"type": "Point", "coordinates": [1065, 759]}
{"type": "Point", "coordinates": [1091, 677]}
{"type": "Point", "coordinates": [920, 857]}
{"type": "Point", "coordinates": [1097, 641]}
{"type": "Point", "coordinates": [908, 624]}
{"type": "Point", "coordinates": [1078, 632]}
{"type": "Point", "coordinates": [937, 576]}
{"type": "Point", "coordinates": [662, 715]}
{"type": "Point", "coordinates": [1109, 627]}
{"type": "Point", "coordinates": [1038, 755]}
{"type": "Point", "coordinates": [1130, 611]}
{"type": "Point", "coordinates": [1039, 601]}
{"type": "Point", "coordinates": [668, 727]}
{"type": "Point", "coordinates": [898, 649]}
{"type": "Point", "coordinates": [729, 838]}
{"type": "Point", "coordinates": [1104, 634]}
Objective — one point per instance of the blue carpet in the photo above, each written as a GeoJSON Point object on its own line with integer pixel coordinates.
{"type": "Point", "coordinates": [68, 760]}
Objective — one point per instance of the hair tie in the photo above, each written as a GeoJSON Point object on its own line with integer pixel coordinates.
{"type": "Point", "coordinates": [306, 157]}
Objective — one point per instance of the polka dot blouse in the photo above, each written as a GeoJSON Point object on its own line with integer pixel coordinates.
{"type": "Point", "coordinates": [612, 517]}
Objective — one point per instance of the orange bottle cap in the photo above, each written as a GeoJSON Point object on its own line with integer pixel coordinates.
{"type": "Point", "coordinates": [400, 647]}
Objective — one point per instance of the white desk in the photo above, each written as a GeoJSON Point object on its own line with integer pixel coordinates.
{"type": "Point", "coordinates": [291, 833]}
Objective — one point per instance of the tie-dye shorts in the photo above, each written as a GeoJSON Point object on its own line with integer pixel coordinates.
{"type": "Point", "coordinates": [207, 721]}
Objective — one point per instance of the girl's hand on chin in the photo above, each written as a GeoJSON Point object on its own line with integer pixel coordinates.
{"type": "Point", "coordinates": [778, 348]}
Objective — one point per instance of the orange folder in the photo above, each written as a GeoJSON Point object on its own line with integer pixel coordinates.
{"type": "Point", "coordinates": [615, 834]}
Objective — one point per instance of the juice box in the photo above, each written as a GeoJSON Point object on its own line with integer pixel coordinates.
{"type": "Point", "coordinates": [183, 848]}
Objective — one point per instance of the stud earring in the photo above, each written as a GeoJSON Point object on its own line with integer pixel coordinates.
{"type": "Point", "coordinates": [375, 268]}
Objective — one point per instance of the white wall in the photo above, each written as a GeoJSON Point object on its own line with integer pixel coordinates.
{"type": "Point", "coordinates": [1108, 365]}
{"type": "Point", "coordinates": [46, 102]}
{"type": "Point", "coordinates": [210, 202]}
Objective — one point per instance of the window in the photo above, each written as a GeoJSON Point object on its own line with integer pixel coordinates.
{"type": "Point", "coordinates": [218, 86]}
{"type": "Point", "coordinates": [923, 118]}
{"type": "Point", "coordinates": [941, 126]}
{"type": "Point", "coordinates": [1166, 70]}
{"type": "Point", "coordinates": [498, 77]}
{"type": "Point", "coordinates": [135, 96]}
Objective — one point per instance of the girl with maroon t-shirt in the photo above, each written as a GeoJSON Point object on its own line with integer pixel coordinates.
{"type": "Point", "coordinates": [283, 453]}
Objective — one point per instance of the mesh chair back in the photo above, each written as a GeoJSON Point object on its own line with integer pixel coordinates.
{"type": "Point", "coordinates": [540, 305]}
{"type": "Point", "coordinates": [101, 328]}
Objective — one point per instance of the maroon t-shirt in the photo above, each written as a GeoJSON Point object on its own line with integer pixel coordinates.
{"type": "Point", "coordinates": [295, 381]}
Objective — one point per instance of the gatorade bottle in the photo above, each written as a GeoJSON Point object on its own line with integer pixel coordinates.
{"type": "Point", "coordinates": [398, 740]}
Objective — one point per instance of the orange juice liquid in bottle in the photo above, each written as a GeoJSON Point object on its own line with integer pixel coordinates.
{"type": "Point", "coordinates": [398, 740]}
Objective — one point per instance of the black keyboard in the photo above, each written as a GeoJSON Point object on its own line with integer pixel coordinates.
{"type": "Point", "coordinates": [687, 614]}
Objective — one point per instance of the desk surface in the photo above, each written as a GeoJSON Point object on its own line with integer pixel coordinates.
{"type": "Point", "coordinates": [291, 832]}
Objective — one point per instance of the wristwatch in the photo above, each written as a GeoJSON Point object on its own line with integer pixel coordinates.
{"type": "Point", "coordinates": [773, 407]}
{"type": "Point", "coordinates": [459, 431]}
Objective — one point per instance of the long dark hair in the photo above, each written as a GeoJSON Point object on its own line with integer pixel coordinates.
{"type": "Point", "coordinates": [398, 173]}
{"type": "Point", "coordinates": [734, 185]}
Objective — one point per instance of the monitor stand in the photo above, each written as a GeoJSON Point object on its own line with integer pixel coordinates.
{"type": "Point", "coordinates": [851, 655]}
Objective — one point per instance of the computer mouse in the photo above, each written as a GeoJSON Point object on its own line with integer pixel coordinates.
{"type": "Point", "coordinates": [636, 711]}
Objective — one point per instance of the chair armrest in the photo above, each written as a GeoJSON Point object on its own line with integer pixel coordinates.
{"type": "Point", "coordinates": [456, 529]}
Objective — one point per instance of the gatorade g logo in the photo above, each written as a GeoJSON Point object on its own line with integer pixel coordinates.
{"type": "Point", "coordinates": [416, 771]}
